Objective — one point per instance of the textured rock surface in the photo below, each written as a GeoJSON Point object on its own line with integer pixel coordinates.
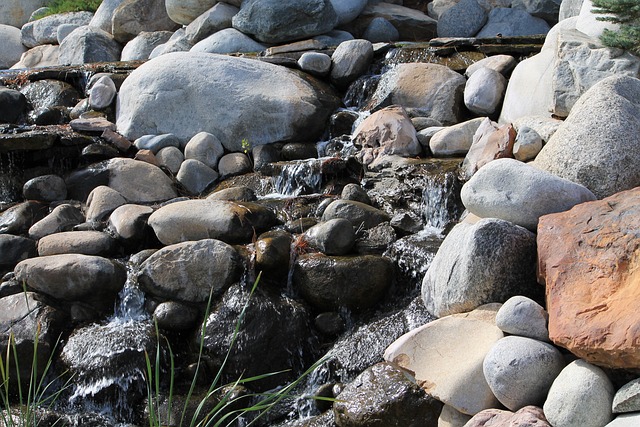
{"type": "Point", "coordinates": [484, 91]}
{"type": "Point", "coordinates": [529, 416]}
{"type": "Point", "coordinates": [87, 44]}
{"type": "Point", "coordinates": [524, 317]}
{"type": "Point", "coordinates": [350, 60]}
{"type": "Point", "coordinates": [44, 31]}
{"type": "Point", "coordinates": [361, 215]}
{"type": "Point", "coordinates": [464, 19]}
{"type": "Point", "coordinates": [446, 358]}
{"type": "Point", "coordinates": [454, 140]}
{"type": "Point", "coordinates": [512, 22]}
{"type": "Point", "coordinates": [587, 256]}
{"type": "Point", "coordinates": [520, 371]}
{"type": "Point", "coordinates": [132, 17]}
{"type": "Point", "coordinates": [489, 261]}
{"type": "Point", "coordinates": [248, 107]}
{"type": "Point", "coordinates": [12, 48]}
{"type": "Point", "coordinates": [383, 396]}
{"type": "Point", "coordinates": [490, 142]}
{"type": "Point", "coordinates": [591, 155]}
{"type": "Point", "coordinates": [434, 90]}
{"type": "Point", "coordinates": [520, 193]}
{"type": "Point", "coordinates": [581, 396]}
{"type": "Point", "coordinates": [627, 399]}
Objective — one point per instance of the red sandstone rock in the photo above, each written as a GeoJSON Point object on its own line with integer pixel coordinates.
{"type": "Point", "coordinates": [589, 258]}
{"type": "Point", "coordinates": [529, 416]}
{"type": "Point", "coordinates": [490, 142]}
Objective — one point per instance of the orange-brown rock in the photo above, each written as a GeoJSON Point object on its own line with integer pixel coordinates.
{"type": "Point", "coordinates": [589, 258]}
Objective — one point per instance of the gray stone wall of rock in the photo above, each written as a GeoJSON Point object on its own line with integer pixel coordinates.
{"type": "Point", "coordinates": [150, 100]}
{"type": "Point", "coordinates": [489, 261]}
{"type": "Point", "coordinates": [591, 155]}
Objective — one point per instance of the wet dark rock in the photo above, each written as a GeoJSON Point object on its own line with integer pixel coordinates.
{"type": "Point", "coordinates": [98, 152]}
{"type": "Point", "coordinates": [330, 323]}
{"type": "Point", "coordinates": [62, 218]}
{"type": "Point", "coordinates": [19, 218]}
{"type": "Point", "coordinates": [329, 283]}
{"type": "Point", "coordinates": [31, 140]}
{"type": "Point", "coordinates": [49, 116]}
{"type": "Point", "coordinates": [263, 155]}
{"type": "Point", "coordinates": [300, 225]}
{"type": "Point", "coordinates": [175, 316]}
{"type": "Point", "coordinates": [384, 396]}
{"type": "Point", "coordinates": [299, 151]}
{"type": "Point", "coordinates": [13, 104]}
{"type": "Point", "coordinates": [28, 318]}
{"type": "Point", "coordinates": [72, 277]}
{"type": "Point", "coordinates": [341, 123]}
{"type": "Point", "coordinates": [14, 249]}
{"type": "Point", "coordinates": [359, 214]}
{"type": "Point", "coordinates": [45, 188]}
{"type": "Point", "coordinates": [273, 252]}
{"type": "Point", "coordinates": [91, 123]}
{"type": "Point", "coordinates": [78, 242]}
{"type": "Point", "coordinates": [50, 93]}
{"type": "Point", "coordinates": [376, 240]}
{"type": "Point", "coordinates": [333, 237]}
{"type": "Point", "coordinates": [108, 364]}
{"type": "Point", "coordinates": [190, 271]}
{"type": "Point", "coordinates": [356, 193]}
{"type": "Point", "coordinates": [274, 335]}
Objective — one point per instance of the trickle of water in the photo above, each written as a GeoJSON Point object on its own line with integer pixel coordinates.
{"type": "Point", "coordinates": [438, 207]}
{"type": "Point", "coordinates": [300, 177]}
{"type": "Point", "coordinates": [360, 91]}
{"type": "Point", "coordinates": [9, 171]}
{"type": "Point", "coordinates": [131, 300]}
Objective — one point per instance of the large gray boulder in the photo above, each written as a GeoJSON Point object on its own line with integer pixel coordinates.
{"type": "Point", "coordinates": [277, 21]}
{"type": "Point", "coordinates": [87, 44]}
{"type": "Point", "coordinates": [209, 219]}
{"type": "Point", "coordinates": [582, 61]}
{"type": "Point", "coordinates": [72, 277]}
{"type": "Point", "coordinates": [190, 271]}
{"type": "Point", "coordinates": [520, 370]}
{"type": "Point", "coordinates": [350, 60]}
{"type": "Point", "coordinates": [412, 24]}
{"type": "Point", "coordinates": [520, 193]}
{"type": "Point", "coordinates": [141, 46]}
{"type": "Point", "coordinates": [12, 48]}
{"type": "Point", "coordinates": [489, 261]}
{"type": "Point", "coordinates": [228, 40]}
{"type": "Point", "coordinates": [359, 214]}
{"type": "Point", "coordinates": [17, 12]}
{"type": "Point", "coordinates": [132, 17]}
{"type": "Point", "coordinates": [183, 12]}
{"type": "Point", "coordinates": [45, 30]}
{"type": "Point", "coordinates": [544, 9]}
{"type": "Point", "coordinates": [348, 10]}
{"type": "Point", "coordinates": [524, 317]}
{"type": "Point", "coordinates": [104, 15]}
{"type": "Point", "coordinates": [512, 22]}
{"type": "Point", "coordinates": [213, 20]}
{"type": "Point", "coordinates": [14, 249]}
{"type": "Point", "coordinates": [454, 140]}
{"type": "Point", "coordinates": [484, 91]}
{"type": "Point", "coordinates": [231, 98]}
{"type": "Point", "coordinates": [433, 90]}
{"type": "Point", "coordinates": [599, 140]}
{"type": "Point", "coordinates": [581, 396]}
{"type": "Point", "coordinates": [464, 19]}
{"type": "Point", "coordinates": [87, 242]}
{"type": "Point", "coordinates": [62, 218]}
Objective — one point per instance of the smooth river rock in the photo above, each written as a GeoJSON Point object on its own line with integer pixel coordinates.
{"type": "Point", "coordinates": [151, 100]}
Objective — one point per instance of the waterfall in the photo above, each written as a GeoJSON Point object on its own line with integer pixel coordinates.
{"type": "Point", "coordinates": [300, 177]}
{"type": "Point", "coordinates": [440, 205]}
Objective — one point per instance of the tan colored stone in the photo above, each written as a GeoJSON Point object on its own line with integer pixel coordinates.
{"type": "Point", "coordinates": [529, 416]}
{"type": "Point", "coordinates": [589, 258]}
{"type": "Point", "coordinates": [446, 355]}
{"type": "Point", "coordinates": [490, 142]}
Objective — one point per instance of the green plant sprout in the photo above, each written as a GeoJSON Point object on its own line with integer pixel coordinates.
{"type": "Point", "coordinates": [246, 145]}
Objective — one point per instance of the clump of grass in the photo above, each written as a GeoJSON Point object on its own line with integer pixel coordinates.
{"type": "Point", "coordinates": [62, 6]}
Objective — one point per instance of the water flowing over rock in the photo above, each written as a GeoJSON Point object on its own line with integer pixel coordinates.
{"type": "Point", "coordinates": [149, 100]}
{"type": "Point", "coordinates": [190, 271]}
{"type": "Point", "coordinates": [322, 279]}
{"type": "Point", "coordinates": [228, 221]}
{"type": "Point", "coordinates": [489, 261]}
{"type": "Point", "coordinates": [590, 293]}
{"type": "Point", "coordinates": [590, 155]}
{"type": "Point", "coordinates": [277, 21]}
{"type": "Point", "coordinates": [273, 336]}
{"type": "Point", "coordinates": [446, 358]}
{"type": "Point", "coordinates": [520, 193]}
{"type": "Point", "coordinates": [383, 396]}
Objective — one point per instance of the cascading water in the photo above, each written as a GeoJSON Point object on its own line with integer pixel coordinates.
{"type": "Point", "coordinates": [300, 177]}
{"type": "Point", "coordinates": [107, 360]}
{"type": "Point", "coordinates": [440, 205]}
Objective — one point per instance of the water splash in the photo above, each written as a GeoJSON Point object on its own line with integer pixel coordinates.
{"type": "Point", "coordinates": [300, 177]}
{"type": "Point", "coordinates": [439, 206]}
{"type": "Point", "coordinates": [131, 300]}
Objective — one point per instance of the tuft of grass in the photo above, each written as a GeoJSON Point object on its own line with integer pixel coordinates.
{"type": "Point", "coordinates": [221, 399]}
{"type": "Point", "coordinates": [62, 6]}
